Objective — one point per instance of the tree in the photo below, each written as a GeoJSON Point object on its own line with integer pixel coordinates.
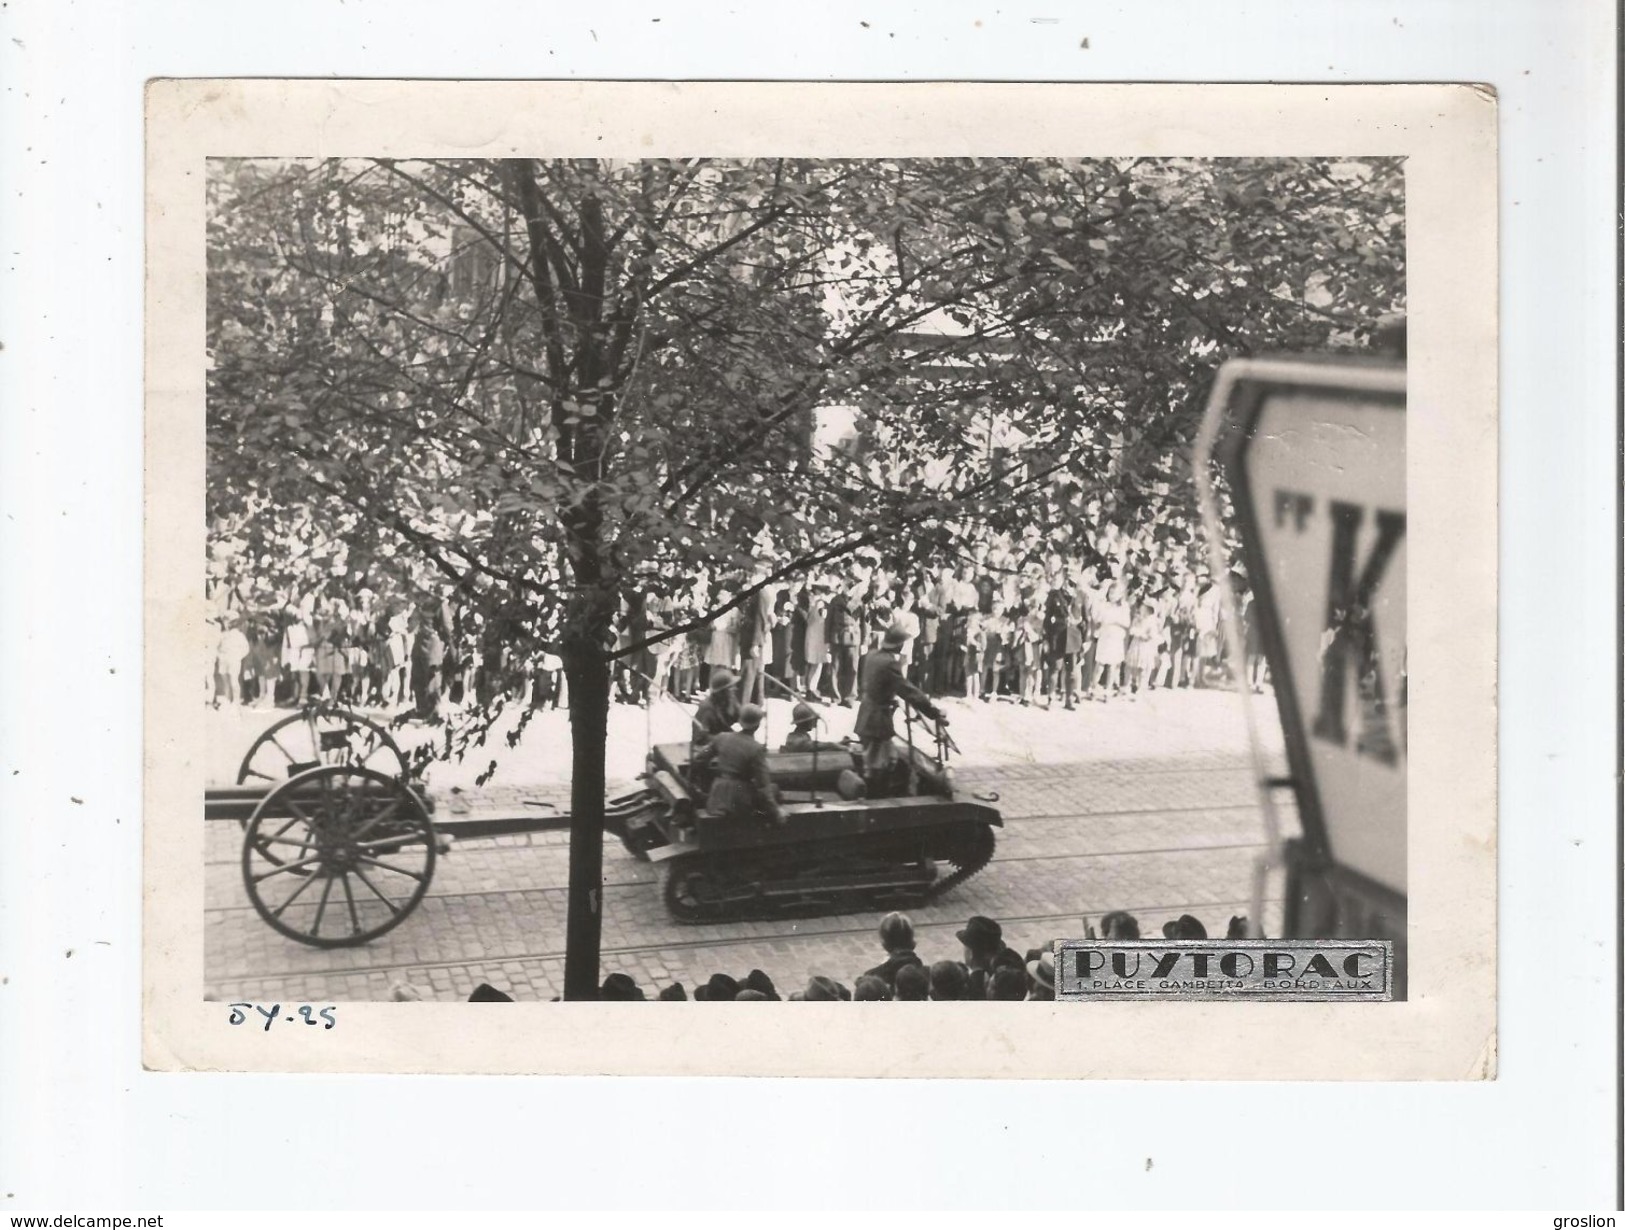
{"type": "Point", "coordinates": [560, 384]}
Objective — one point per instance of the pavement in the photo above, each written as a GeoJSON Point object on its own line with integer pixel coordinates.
{"type": "Point", "coordinates": [1147, 805]}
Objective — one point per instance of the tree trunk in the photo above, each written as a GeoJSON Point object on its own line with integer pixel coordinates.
{"type": "Point", "coordinates": [588, 672]}
{"type": "Point", "coordinates": [588, 623]}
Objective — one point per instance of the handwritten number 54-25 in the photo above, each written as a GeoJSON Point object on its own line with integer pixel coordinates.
{"type": "Point", "coordinates": [271, 1014]}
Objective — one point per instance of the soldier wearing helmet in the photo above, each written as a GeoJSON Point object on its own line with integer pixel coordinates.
{"type": "Point", "coordinates": [741, 788]}
{"type": "Point", "coordinates": [882, 686]}
{"type": "Point", "coordinates": [717, 712]}
{"type": "Point", "coordinates": [803, 737]}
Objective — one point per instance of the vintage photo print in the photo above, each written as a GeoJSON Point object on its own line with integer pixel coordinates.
{"type": "Point", "coordinates": [659, 544]}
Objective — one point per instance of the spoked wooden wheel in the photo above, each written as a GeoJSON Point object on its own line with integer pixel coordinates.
{"type": "Point", "coordinates": [320, 734]}
{"type": "Point", "coordinates": [338, 855]}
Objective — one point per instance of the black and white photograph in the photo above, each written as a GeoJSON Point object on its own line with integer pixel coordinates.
{"type": "Point", "coordinates": [788, 578]}
{"type": "Point", "coordinates": [723, 542]}
{"type": "Point", "coordinates": [1103, 514]}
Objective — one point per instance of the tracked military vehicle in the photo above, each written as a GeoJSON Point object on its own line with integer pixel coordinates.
{"type": "Point", "coordinates": [844, 843]}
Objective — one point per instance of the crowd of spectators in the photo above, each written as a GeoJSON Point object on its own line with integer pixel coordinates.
{"type": "Point", "coordinates": [1109, 614]}
{"type": "Point", "coordinates": [1112, 615]}
{"type": "Point", "coordinates": [367, 652]}
{"type": "Point", "coordinates": [985, 968]}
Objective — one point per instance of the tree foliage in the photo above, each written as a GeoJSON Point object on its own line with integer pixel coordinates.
{"type": "Point", "coordinates": [572, 376]}
{"type": "Point", "coordinates": [555, 384]}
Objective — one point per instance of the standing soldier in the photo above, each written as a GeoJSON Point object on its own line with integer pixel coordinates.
{"type": "Point", "coordinates": [882, 685]}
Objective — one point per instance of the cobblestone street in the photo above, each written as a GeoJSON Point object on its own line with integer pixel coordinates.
{"type": "Point", "coordinates": [1090, 826]}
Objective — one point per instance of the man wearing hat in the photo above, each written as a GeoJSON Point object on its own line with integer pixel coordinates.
{"type": "Point", "coordinates": [741, 787]}
{"type": "Point", "coordinates": [1041, 976]}
{"type": "Point", "coordinates": [985, 949]}
{"type": "Point", "coordinates": [620, 988]}
{"type": "Point", "coordinates": [882, 685]}
{"type": "Point", "coordinates": [758, 983]}
{"type": "Point", "coordinates": [718, 989]}
{"type": "Point", "coordinates": [1118, 925]}
{"type": "Point", "coordinates": [1186, 927]}
{"type": "Point", "coordinates": [823, 989]}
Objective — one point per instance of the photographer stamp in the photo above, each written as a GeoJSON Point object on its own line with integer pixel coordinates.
{"type": "Point", "coordinates": [1347, 971]}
